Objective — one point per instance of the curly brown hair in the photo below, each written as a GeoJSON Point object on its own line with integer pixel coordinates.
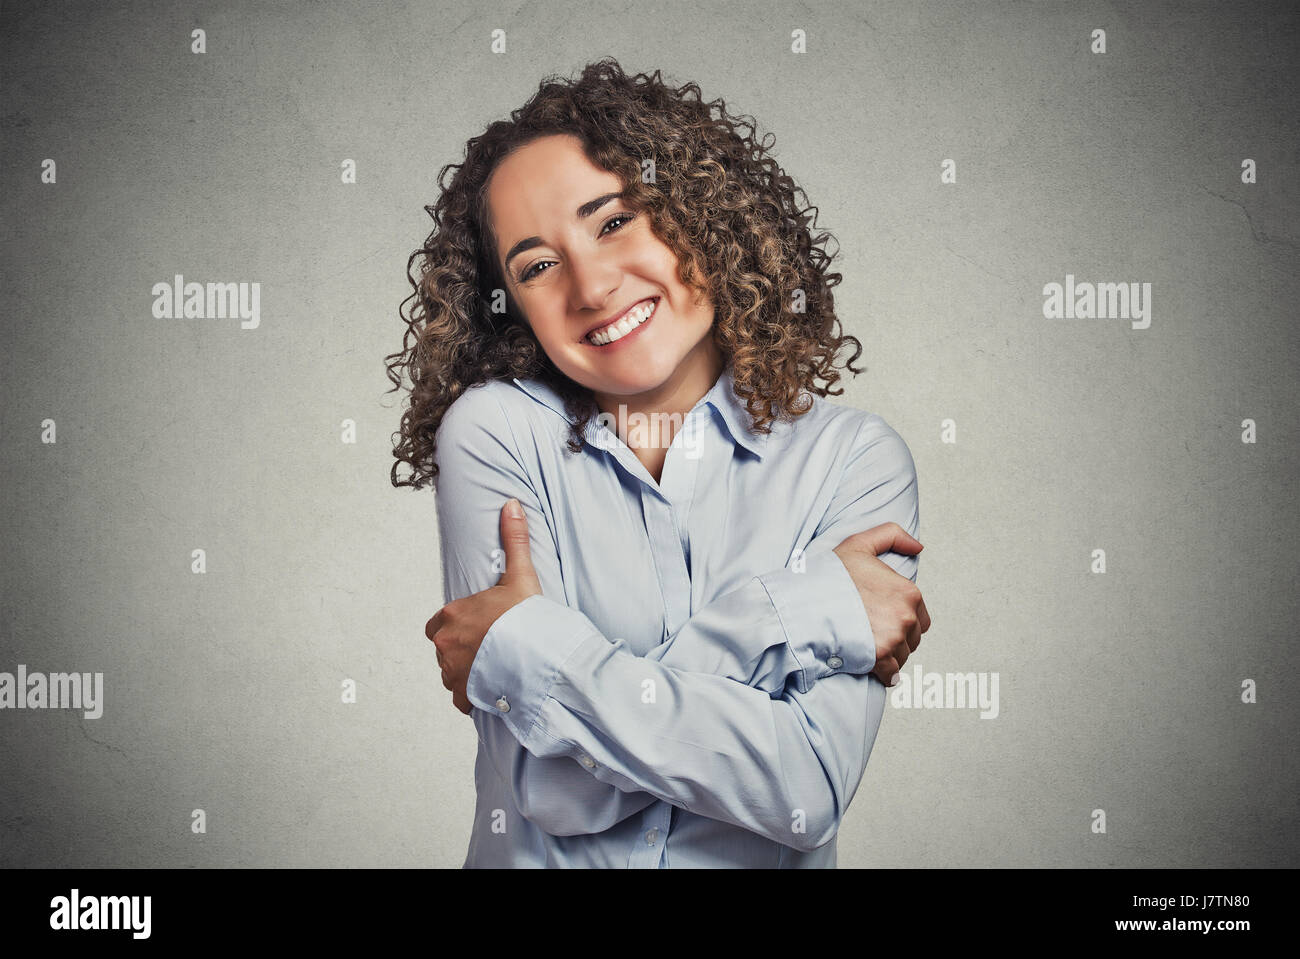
{"type": "Point", "coordinates": [718, 199]}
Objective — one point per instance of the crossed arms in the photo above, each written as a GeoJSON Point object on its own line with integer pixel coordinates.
{"type": "Point", "coordinates": [764, 710]}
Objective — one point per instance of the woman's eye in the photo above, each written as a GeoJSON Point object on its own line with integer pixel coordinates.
{"type": "Point", "coordinates": [532, 271]}
{"type": "Point", "coordinates": [528, 273]}
{"type": "Point", "coordinates": [622, 216]}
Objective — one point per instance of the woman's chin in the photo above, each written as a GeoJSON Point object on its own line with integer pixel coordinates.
{"type": "Point", "coordinates": [626, 375]}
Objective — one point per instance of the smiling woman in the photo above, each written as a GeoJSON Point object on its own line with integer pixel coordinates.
{"type": "Point", "coordinates": [680, 662]}
{"type": "Point", "coordinates": [686, 173]}
{"type": "Point", "coordinates": [600, 292]}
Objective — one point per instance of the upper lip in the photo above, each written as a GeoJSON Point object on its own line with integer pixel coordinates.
{"type": "Point", "coordinates": [617, 316]}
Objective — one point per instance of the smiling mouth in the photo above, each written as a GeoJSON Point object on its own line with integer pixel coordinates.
{"type": "Point", "coordinates": [634, 318]}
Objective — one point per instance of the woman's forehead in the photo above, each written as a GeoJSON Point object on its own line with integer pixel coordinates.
{"type": "Point", "coordinates": [533, 189]}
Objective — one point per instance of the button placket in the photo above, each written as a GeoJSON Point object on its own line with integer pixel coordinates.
{"type": "Point", "coordinates": [666, 548]}
{"type": "Point", "coordinates": [680, 486]}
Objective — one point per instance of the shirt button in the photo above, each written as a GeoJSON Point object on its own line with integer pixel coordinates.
{"type": "Point", "coordinates": [588, 761]}
{"type": "Point", "coordinates": [651, 836]}
{"type": "Point", "coordinates": [834, 662]}
{"type": "Point", "coordinates": [503, 704]}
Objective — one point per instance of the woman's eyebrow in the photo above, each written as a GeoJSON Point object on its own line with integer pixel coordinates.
{"type": "Point", "coordinates": [584, 211]}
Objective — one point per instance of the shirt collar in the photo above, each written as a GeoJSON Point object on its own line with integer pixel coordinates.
{"type": "Point", "coordinates": [721, 396]}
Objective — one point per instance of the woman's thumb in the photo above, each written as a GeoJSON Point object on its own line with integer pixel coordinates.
{"type": "Point", "coordinates": [890, 537]}
{"type": "Point", "coordinates": [514, 540]}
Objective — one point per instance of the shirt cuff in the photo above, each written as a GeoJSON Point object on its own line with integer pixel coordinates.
{"type": "Point", "coordinates": [520, 658]}
{"type": "Point", "coordinates": [825, 623]}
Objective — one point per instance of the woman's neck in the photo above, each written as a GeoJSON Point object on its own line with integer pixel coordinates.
{"type": "Point", "coordinates": [663, 409]}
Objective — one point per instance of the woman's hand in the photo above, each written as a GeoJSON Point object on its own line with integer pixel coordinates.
{"type": "Point", "coordinates": [458, 628]}
{"type": "Point", "coordinates": [893, 602]}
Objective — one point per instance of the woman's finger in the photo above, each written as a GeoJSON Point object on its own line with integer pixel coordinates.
{"type": "Point", "coordinates": [434, 624]}
{"type": "Point", "coordinates": [886, 669]}
{"type": "Point", "coordinates": [515, 542]}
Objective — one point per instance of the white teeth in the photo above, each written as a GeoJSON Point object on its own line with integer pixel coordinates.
{"type": "Point", "coordinates": [616, 331]}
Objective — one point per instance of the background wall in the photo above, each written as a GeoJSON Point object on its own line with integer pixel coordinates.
{"type": "Point", "coordinates": [1119, 690]}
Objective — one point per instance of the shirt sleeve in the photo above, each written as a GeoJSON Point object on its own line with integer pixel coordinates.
{"type": "Point", "coordinates": [786, 766]}
{"type": "Point", "coordinates": [746, 636]}
{"type": "Point", "coordinates": [795, 625]}
{"type": "Point", "coordinates": [478, 471]}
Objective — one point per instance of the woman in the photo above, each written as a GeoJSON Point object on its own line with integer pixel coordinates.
{"type": "Point", "coordinates": [677, 650]}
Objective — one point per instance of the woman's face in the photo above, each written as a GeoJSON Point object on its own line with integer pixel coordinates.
{"type": "Point", "coordinates": [576, 256]}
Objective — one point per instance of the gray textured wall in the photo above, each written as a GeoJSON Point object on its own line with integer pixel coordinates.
{"type": "Point", "coordinates": [1118, 691]}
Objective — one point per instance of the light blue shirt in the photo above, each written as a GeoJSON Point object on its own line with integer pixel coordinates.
{"type": "Point", "coordinates": [691, 689]}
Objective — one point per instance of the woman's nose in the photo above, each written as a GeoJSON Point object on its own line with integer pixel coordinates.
{"type": "Point", "coordinates": [592, 280]}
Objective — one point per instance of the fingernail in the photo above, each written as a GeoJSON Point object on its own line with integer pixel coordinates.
{"type": "Point", "coordinates": [514, 510]}
{"type": "Point", "coordinates": [897, 677]}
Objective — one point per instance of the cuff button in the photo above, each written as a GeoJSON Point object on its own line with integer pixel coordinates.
{"type": "Point", "coordinates": [503, 704]}
{"type": "Point", "coordinates": [834, 662]}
